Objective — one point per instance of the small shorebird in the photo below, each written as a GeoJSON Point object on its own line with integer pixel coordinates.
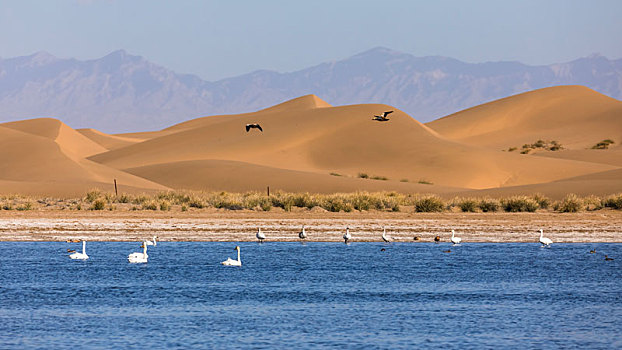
{"type": "Point", "coordinates": [260, 235]}
{"type": "Point", "coordinates": [383, 117]}
{"type": "Point", "coordinates": [416, 238]}
{"type": "Point", "coordinates": [253, 126]}
{"type": "Point", "coordinates": [545, 241]}
{"type": "Point", "coordinates": [347, 236]}
{"type": "Point", "coordinates": [455, 240]}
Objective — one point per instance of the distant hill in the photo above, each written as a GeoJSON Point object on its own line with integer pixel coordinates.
{"type": "Point", "coordinates": [122, 93]}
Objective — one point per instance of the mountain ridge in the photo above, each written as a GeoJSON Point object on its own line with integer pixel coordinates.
{"type": "Point", "coordinates": [120, 92]}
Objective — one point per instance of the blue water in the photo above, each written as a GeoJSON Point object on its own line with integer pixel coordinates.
{"type": "Point", "coordinates": [317, 295]}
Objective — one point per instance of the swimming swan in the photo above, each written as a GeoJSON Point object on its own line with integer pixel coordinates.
{"type": "Point", "coordinates": [455, 240]}
{"type": "Point", "coordinates": [80, 256]}
{"type": "Point", "coordinates": [231, 262]}
{"type": "Point", "coordinates": [153, 243]}
{"type": "Point", "coordinates": [260, 235]}
{"type": "Point", "coordinates": [545, 241]}
{"type": "Point", "coordinates": [347, 236]}
{"type": "Point", "coordinates": [386, 238]}
{"type": "Point", "coordinates": [139, 257]}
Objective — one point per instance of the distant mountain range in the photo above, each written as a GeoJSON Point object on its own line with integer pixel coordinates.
{"type": "Point", "coordinates": [121, 92]}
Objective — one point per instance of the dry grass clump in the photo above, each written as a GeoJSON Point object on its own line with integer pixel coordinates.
{"type": "Point", "coordinates": [487, 205]}
{"type": "Point", "coordinates": [517, 204]}
{"type": "Point", "coordinates": [429, 204]}
{"type": "Point", "coordinates": [540, 144]}
{"type": "Point", "coordinates": [592, 203]}
{"type": "Point", "coordinates": [98, 204]}
{"type": "Point", "coordinates": [543, 201]}
{"type": "Point", "coordinates": [570, 204]}
{"type": "Point", "coordinates": [467, 205]}
{"type": "Point", "coordinates": [604, 144]}
{"type": "Point", "coordinates": [614, 201]}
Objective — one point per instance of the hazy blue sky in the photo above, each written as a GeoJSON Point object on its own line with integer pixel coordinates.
{"type": "Point", "coordinates": [217, 39]}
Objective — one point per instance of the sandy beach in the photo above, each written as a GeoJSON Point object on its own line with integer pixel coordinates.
{"type": "Point", "coordinates": [218, 225]}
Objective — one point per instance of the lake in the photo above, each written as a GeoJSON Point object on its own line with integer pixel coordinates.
{"type": "Point", "coordinates": [316, 295]}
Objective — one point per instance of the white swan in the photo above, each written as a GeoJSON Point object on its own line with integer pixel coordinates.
{"type": "Point", "coordinates": [386, 238]}
{"type": "Point", "coordinates": [455, 240]}
{"type": "Point", "coordinates": [545, 241]}
{"type": "Point", "coordinates": [231, 262]}
{"type": "Point", "coordinates": [153, 243]}
{"type": "Point", "coordinates": [260, 235]}
{"type": "Point", "coordinates": [80, 256]}
{"type": "Point", "coordinates": [139, 257]}
{"type": "Point", "coordinates": [302, 234]}
{"type": "Point", "coordinates": [347, 236]}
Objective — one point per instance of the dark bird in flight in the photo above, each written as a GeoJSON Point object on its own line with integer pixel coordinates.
{"type": "Point", "coordinates": [253, 126]}
{"type": "Point", "coordinates": [383, 117]}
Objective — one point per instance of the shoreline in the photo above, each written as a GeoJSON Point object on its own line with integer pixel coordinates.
{"type": "Point", "coordinates": [280, 226]}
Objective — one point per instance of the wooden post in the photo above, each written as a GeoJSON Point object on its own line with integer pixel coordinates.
{"type": "Point", "coordinates": [116, 193]}
{"type": "Point", "coordinates": [268, 191]}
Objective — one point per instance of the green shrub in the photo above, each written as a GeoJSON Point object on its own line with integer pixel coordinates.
{"type": "Point", "coordinates": [467, 204]}
{"type": "Point", "coordinates": [335, 174]}
{"type": "Point", "coordinates": [404, 180]}
{"type": "Point", "coordinates": [425, 182]}
{"type": "Point", "coordinates": [376, 177]}
{"type": "Point", "coordinates": [363, 176]}
{"type": "Point", "coordinates": [516, 204]}
{"type": "Point", "coordinates": [98, 204]}
{"type": "Point", "coordinates": [184, 208]}
{"type": "Point", "coordinates": [570, 204]}
{"type": "Point", "coordinates": [487, 205]}
{"type": "Point", "coordinates": [25, 206]}
{"type": "Point", "coordinates": [429, 204]}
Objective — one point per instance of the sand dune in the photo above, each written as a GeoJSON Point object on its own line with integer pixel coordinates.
{"type": "Point", "coordinates": [575, 116]}
{"type": "Point", "coordinates": [109, 142]}
{"type": "Point", "coordinates": [305, 140]}
{"type": "Point", "coordinates": [344, 140]}
{"type": "Point", "coordinates": [219, 175]}
{"type": "Point", "coordinates": [47, 154]}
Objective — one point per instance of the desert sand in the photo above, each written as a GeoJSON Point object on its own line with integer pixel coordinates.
{"type": "Point", "coordinates": [217, 225]}
{"type": "Point", "coordinates": [310, 146]}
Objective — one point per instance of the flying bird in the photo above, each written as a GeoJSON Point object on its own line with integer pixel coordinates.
{"type": "Point", "coordinates": [383, 117]}
{"type": "Point", "coordinates": [253, 126]}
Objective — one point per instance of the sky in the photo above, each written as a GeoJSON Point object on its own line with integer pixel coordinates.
{"type": "Point", "coordinates": [219, 39]}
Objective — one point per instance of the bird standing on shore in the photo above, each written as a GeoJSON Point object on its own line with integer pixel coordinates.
{"type": "Point", "coordinates": [260, 235]}
{"type": "Point", "coordinates": [383, 117]}
{"type": "Point", "coordinates": [253, 126]}
{"type": "Point", "coordinates": [545, 241]}
{"type": "Point", "coordinates": [347, 236]}
{"type": "Point", "coordinates": [302, 234]}
{"type": "Point", "coordinates": [385, 238]}
{"type": "Point", "coordinates": [455, 240]}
